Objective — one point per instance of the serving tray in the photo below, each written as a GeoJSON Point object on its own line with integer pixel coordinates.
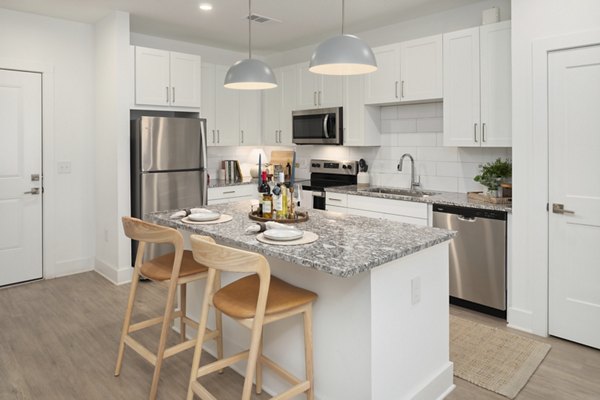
{"type": "Point", "coordinates": [301, 216]}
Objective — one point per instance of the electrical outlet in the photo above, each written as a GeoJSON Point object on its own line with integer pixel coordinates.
{"type": "Point", "coordinates": [64, 167]}
{"type": "Point", "coordinates": [415, 286]}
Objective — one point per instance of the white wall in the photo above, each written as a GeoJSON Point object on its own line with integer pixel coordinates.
{"type": "Point", "coordinates": [67, 49]}
{"type": "Point", "coordinates": [447, 21]}
{"type": "Point", "coordinates": [113, 249]}
{"type": "Point", "coordinates": [531, 20]}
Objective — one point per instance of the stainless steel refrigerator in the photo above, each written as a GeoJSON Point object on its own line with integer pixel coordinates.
{"type": "Point", "coordinates": [168, 168]}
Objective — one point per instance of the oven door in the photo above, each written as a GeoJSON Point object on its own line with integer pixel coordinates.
{"type": "Point", "coordinates": [323, 126]}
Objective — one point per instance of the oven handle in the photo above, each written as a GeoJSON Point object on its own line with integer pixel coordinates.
{"type": "Point", "coordinates": [325, 126]}
{"type": "Point", "coordinates": [318, 194]}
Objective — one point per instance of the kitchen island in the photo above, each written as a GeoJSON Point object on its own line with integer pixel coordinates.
{"type": "Point", "coordinates": [381, 320]}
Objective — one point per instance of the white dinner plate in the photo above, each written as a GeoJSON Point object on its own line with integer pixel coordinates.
{"type": "Point", "coordinates": [283, 234]}
{"type": "Point", "coordinates": [204, 216]}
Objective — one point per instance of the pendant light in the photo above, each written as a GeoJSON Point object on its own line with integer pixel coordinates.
{"type": "Point", "coordinates": [343, 55]}
{"type": "Point", "coordinates": [250, 74]}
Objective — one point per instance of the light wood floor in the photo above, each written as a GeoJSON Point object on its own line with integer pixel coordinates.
{"type": "Point", "coordinates": [58, 340]}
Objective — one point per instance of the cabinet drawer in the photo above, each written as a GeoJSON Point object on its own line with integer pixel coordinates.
{"type": "Point", "coordinates": [389, 217]}
{"type": "Point", "coordinates": [337, 199]}
{"type": "Point", "coordinates": [388, 206]}
{"type": "Point", "coordinates": [227, 192]}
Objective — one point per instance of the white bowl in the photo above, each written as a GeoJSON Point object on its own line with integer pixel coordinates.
{"type": "Point", "coordinates": [283, 234]}
{"type": "Point", "coordinates": [204, 216]}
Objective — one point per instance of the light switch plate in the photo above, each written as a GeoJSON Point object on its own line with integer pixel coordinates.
{"type": "Point", "coordinates": [64, 167]}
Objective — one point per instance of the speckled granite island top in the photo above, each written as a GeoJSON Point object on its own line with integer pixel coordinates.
{"type": "Point", "coordinates": [448, 198]}
{"type": "Point", "coordinates": [347, 245]}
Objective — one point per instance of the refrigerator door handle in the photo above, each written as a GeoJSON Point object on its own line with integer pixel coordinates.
{"type": "Point", "coordinates": [203, 144]}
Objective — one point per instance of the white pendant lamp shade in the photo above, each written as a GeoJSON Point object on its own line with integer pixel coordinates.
{"type": "Point", "coordinates": [250, 74]}
{"type": "Point", "coordinates": [343, 55]}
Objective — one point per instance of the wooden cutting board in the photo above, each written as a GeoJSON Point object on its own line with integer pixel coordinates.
{"type": "Point", "coordinates": [280, 157]}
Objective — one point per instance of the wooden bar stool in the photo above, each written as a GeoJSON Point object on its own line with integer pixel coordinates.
{"type": "Point", "coordinates": [253, 301]}
{"type": "Point", "coordinates": [178, 268]}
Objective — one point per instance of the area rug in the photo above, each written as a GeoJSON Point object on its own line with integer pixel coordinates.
{"type": "Point", "coordinates": [493, 359]}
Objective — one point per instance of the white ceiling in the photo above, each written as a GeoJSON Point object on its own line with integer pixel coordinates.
{"type": "Point", "coordinates": [303, 22]}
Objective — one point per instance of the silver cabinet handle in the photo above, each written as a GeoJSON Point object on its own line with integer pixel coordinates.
{"type": "Point", "coordinates": [242, 136]}
{"type": "Point", "coordinates": [402, 89]}
{"type": "Point", "coordinates": [475, 132]}
{"type": "Point", "coordinates": [558, 208]}
{"type": "Point", "coordinates": [218, 136]}
{"type": "Point", "coordinates": [315, 98]}
{"type": "Point", "coordinates": [483, 132]}
{"type": "Point", "coordinates": [167, 90]}
{"type": "Point", "coordinates": [229, 192]}
{"type": "Point", "coordinates": [319, 97]}
{"type": "Point", "coordinates": [396, 89]}
{"type": "Point", "coordinates": [334, 199]}
{"type": "Point", "coordinates": [173, 94]}
{"type": "Point", "coordinates": [33, 191]}
{"type": "Point", "coordinates": [213, 132]}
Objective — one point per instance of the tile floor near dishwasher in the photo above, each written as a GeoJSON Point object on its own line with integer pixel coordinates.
{"type": "Point", "coordinates": [59, 339]}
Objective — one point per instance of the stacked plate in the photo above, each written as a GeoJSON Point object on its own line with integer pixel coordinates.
{"type": "Point", "coordinates": [204, 216]}
{"type": "Point", "coordinates": [283, 234]}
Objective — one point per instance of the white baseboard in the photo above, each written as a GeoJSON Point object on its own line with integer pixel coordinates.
{"type": "Point", "coordinates": [71, 267]}
{"type": "Point", "coordinates": [439, 386]}
{"type": "Point", "coordinates": [519, 319]}
{"type": "Point", "coordinates": [119, 276]}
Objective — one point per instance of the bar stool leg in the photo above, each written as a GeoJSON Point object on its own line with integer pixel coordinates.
{"type": "Point", "coordinates": [182, 308]}
{"type": "Point", "coordinates": [252, 357]}
{"type": "Point", "coordinates": [163, 337]}
{"type": "Point", "coordinates": [308, 351]}
{"type": "Point", "coordinates": [127, 321]}
{"type": "Point", "coordinates": [259, 369]}
{"type": "Point", "coordinates": [218, 320]}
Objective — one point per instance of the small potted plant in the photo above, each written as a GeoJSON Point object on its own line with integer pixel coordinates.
{"type": "Point", "coordinates": [492, 174]}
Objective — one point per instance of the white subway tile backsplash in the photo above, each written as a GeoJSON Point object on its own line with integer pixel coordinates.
{"type": "Point", "coordinates": [430, 125]}
{"type": "Point", "coordinates": [437, 153]}
{"type": "Point", "coordinates": [417, 110]}
{"type": "Point", "coordinates": [399, 125]}
{"type": "Point", "coordinates": [417, 139]}
{"type": "Point", "coordinates": [469, 185]}
{"type": "Point", "coordinates": [443, 183]}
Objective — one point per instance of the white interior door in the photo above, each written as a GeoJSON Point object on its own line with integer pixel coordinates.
{"type": "Point", "coordinates": [574, 171]}
{"type": "Point", "coordinates": [20, 160]}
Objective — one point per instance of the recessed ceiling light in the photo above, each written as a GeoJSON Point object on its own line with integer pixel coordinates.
{"type": "Point", "coordinates": [205, 6]}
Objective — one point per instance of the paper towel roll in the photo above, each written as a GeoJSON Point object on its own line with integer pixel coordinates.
{"type": "Point", "coordinates": [362, 178]}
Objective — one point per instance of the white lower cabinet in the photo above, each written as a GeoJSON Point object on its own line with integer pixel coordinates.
{"type": "Point", "coordinates": [230, 194]}
{"type": "Point", "coordinates": [392, 210]}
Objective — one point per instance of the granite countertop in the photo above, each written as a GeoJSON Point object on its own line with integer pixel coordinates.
{"type": "Point", "coordinates": [347, 245]}
{"type": "Point", "coordinates": [448, 198]}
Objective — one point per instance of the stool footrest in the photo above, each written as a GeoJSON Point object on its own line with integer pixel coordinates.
{"type": "Point", "coordinates": [201, 391]}
{"type": "Point", "coordinates": [280, 370]}
{"type": "Point", "coordinates": [220, 364]}
{"type": "Point", "coordinates": [141, 349]}
{"type": "Point", "coordinates": [152, 321]}
{"type": "Point", "coordinates": [293, 391]}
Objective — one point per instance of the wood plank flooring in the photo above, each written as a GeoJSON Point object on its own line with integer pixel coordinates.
{"type": "Point", "coordinates": [58, 340]}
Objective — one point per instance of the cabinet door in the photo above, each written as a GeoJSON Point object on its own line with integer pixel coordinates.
{"type": "Point", "coordinates": [271, 111]}
{"type": "Point", "coordinates": [227, 110]}
{"type": "Point", "coordinates": [382, 86]}
{"type": "Point", "coordinates": [208, 98]}
{"type": "Point", "coordinates": [421, 69]}
{"type": "Point", "coordinates": [250, 109]}
{"type": "Point", "coordinates": [361, 123]}
{"type": "Point", "coordinates": [185, 80]}
{"type": "Point", "coordinates": [307, 84]}
{"type": "Point", "coordinates": [289, 98]}
{"type": "Point", "coordinates": [152, 77]}
{"type": "Point", "coordinates": [461, 88]}
{"type": "Point", "coordinates": [496, 116]}
{"type": "Point", "coordinates": [329, 91]}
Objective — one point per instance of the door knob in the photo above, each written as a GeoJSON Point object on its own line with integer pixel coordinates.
{"type": "Point", "coordinates": [33, 191]}
{"type": "Point", "coordinates": [560, 209]}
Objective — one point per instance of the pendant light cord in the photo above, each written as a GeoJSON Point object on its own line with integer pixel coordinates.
{"type": "Point", "coordinates": [249, 29]}
{"type": "Point", "coordinates": [343, 3]}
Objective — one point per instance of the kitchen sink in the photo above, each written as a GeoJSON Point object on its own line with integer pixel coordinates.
{"type": "Point", "coordinates": [400, 192]}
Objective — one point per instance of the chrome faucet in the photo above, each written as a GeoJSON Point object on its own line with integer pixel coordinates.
{"type": "Point", "coordinates": [413, 184]}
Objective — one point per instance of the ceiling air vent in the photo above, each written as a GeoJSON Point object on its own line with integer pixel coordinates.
{"type": "Point", "coordinates": [261, 19]}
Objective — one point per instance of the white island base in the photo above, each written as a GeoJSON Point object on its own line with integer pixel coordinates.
{"type": "Point", "coordinates": [380, 335]}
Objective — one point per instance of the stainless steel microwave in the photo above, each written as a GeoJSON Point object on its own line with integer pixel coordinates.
{"type": "Point", "coordinates": [322, 126]}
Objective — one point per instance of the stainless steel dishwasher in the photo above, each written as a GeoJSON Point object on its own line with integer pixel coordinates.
{"type": "Point", "coordinates": [477, 256]}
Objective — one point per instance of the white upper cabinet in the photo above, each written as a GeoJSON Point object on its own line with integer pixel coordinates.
{"type": "Point", "coordinates": [317, 91]}
{"type": "Point", "coordinates": [407, 71]}
{"type": "Point", "coordinates": [277, 107]}
{"type": "Point", "coordinates": [361, 123]}
{"type": "Point", "coordinates": [421, 69]}
{"type": "Point", "coordinates": [233, 117]}
{"type": "Point", "coordinates": [166, 79]}
{"type": "Point", "coordinates": [477, 87]}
